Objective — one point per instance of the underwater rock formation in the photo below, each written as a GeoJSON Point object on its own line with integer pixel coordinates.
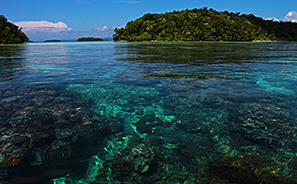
{"type": "Point", "coordinates": [265, 125]}
{"type": "Point", "coordinates": [190, 145]}
{"type": "Point", "coordinates": [147, 123]}
{"type": "Point", "coordinates": [39, 126]}
{"type": "Point", "coordinates": [247, 169]}
{"type": "Point", "coordinates": [193, 145]}
{"type": "Point", "coordinates": [138, 160]}
{"type": "Point", "coordinates": [142, 157]}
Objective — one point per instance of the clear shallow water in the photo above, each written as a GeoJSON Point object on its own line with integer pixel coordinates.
{"type": "Point", "coordinates": [191, 104]}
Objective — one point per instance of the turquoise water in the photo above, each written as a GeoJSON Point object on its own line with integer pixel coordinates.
{"type": "Point", "coordinates": [111, 112]}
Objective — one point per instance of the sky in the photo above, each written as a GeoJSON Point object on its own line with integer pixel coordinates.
{"type": "Point", "coordinates": [71, 19]}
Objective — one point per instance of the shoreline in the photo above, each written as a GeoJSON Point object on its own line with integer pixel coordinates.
{"type": "Point", "coordinates": [221, 41]}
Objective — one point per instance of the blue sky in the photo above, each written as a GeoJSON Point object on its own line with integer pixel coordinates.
{"type": "Point", "coordinates": [70, 19]}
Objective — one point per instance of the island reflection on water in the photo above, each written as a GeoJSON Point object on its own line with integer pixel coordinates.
{"type": "Point", "coordinates": [11, 61]}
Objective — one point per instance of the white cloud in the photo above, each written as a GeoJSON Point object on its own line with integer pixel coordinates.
{"type": "Point", "coordinates": [44, 26]}
{"type": "Point", "coordinates": [273, 19]}
{"type": "Point", "coordinates": [291, 16]}
{"type": "Point", "coordinates": [102, 29]}
{"type": "Point", "coordinates": [43, 30]}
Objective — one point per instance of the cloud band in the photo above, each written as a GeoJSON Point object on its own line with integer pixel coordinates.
{"type": "Point", "coordinates": [44, 26]}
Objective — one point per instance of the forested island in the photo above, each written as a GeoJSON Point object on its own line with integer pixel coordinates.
{"type": "Point", "coordinates": [11, 33]}
{"type": "Point", "coordinates": [205, 25]}
{"type": "Point", "coordinates": [89, 39]}
{"type": "Point", "coordinates": [53, 41]}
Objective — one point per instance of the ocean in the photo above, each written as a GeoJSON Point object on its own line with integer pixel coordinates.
{"type": "Point", "coordinates": [164, 112]}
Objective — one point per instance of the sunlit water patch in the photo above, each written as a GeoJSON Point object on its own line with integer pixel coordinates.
{"type": "Point", "coordinates": [181, 112]}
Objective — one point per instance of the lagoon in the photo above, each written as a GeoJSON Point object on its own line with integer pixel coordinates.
{"type": "Point", "coordinates": [165, 112]}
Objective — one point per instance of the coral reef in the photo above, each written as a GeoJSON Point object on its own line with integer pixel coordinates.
{"type": "Point", "coordinates": [142, 113]}
{"type": "Point", "coordinates": [249, 169]}
{"type": "Point", "coordinates": [138, 160]}
{"type": "Point", "coordinates": [142, 157]}
{"type": "Point", "coordinates": [41, 125]}
{"type": "Point", "coordinates": [265, 124]}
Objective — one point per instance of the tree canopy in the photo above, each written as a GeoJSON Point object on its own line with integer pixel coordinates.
{"type": "Point", "coordinates": [52, 40]}
{"type": "Point", "coordinates": [11, 33]}
{"type": "Point", "coordinates": [206, 25]}
{"type": "Point", "coordinates": [89, 39]}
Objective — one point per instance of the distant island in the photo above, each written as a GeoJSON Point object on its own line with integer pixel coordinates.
{"type": "Point", "coordinates": [11, 33]}
{"type": "Point", "coordinates": [89, 39]}
{"type": "Point", "coordinates": [52, 41]}
{"type": "Point", "coordinates": [205, 25]}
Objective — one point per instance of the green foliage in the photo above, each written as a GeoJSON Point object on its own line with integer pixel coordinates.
{"type": "Point", "coordinates": [206, 25]}
{"type": "Point", "coordinates": [276, 30]}
{"type": "Point", "coordinates": [10, 33]}
{"type": "Point", "coordinates": [89, 39]}
{"type": "Point", "coordinates": [52, 41]}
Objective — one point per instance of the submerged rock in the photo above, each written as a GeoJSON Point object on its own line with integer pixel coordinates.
{"type": "Point", "coordinates": [147, 123]}
{"type": "Point", "coordinates": [249, 169]}
{"type": "Point", "coordinates": [137, 160]}
{"type": "Point", "coordinates": [36, 128]}
{"type": "Point", "coordinates": [142, 157]}
{"type": "Point", "coordinates": [191, 145]}
{"type": "Point", "coordinates": [265, 124]}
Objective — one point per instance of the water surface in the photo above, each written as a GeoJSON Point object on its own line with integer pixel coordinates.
{"type": "Point", "coordinates": [76, 111]}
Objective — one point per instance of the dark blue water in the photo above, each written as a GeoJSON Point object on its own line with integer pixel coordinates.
{"type": "Point", "coordinates": [110, 112]}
